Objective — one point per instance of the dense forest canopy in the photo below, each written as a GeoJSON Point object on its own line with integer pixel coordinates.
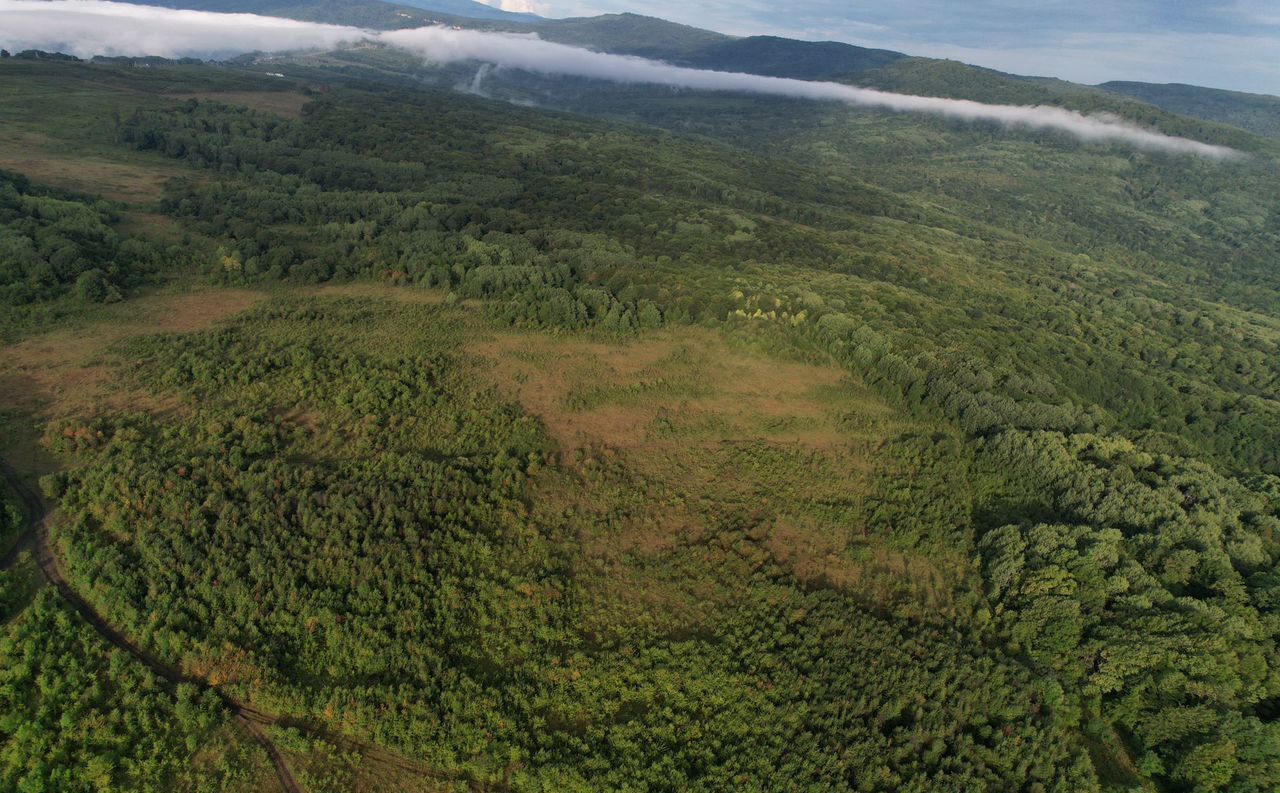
{"type": "Point", "coordinates": [50, 244]}
{"type": "Point", "coordinates": [1018, 530]}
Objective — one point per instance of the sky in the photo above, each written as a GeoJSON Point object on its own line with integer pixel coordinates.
{"type": "Point", "coordinates": [1231, 44]}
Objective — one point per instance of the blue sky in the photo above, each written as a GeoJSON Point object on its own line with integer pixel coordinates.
{"type": "Point", "coordinates": [1220, 43]}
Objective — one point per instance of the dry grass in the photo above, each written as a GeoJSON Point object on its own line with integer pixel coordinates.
{"type": "Point", "coordinates": [62, 374]}
{"type": "Point", "coordinates": [283, 103]}
{"type": "Point", "coordinates": [136, 223]}
{"type": "Point", "coordinates": [38, 157]}
{"type": "Point", "coordinates": [820, 557]}
{"type": "Point", "coordinates": [685, 385]}
{"type": "Point", "coordinates": [700, 427]}
{"type": "Point", "coordinates": [353, 768]}
{"type": "Point", "coordinates": [373, 775]}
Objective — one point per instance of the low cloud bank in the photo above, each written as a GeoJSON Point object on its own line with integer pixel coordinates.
{"type": "Point", "coordinates": [85, 28]}
{"type": "Point", "coordinates": [95, 27]}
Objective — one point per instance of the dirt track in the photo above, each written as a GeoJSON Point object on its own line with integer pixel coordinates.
{"type": "Point", "coordinates": [36, 535]}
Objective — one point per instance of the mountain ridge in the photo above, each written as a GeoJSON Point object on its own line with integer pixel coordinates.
{"type": "Point", "coordinates": [684, 45]}
{"type": "Point", "coordinates": [472, 10]}
{"type": "Point", "coordinates": [1258, 113]}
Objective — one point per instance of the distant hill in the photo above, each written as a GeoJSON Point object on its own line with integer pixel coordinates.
{"type": "Point", "coordinates": [358, 13]}
{"type": "Point", "coordinates": [471, 10]}
{"type": "Point", "coordinates": [805, 60]}
{"type": "Point", "coordinates": [650, 37]}
{"type": "Point", "coordinates": [632, 34]}
{"type": "Point", "coordinates": [1258, 113]}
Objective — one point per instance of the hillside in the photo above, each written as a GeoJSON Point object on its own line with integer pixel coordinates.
{"type": "Point", "coordinates": [1257, 113]}
{"type": "Point", "coordinates": [374, 14]}
{"type": "Point", "coordinates": [397, 438]}
{"type": "Point", "coordinates": [779, 57]}
{"type": "Point", "coordinates": [470, 9]}
{"type": "Point", "coordinates": [650, 37]}
{"type": "Point", "coordinates": [632, 34]}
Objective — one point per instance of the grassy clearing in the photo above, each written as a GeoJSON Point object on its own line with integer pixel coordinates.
{"type": "Point", "coordinates": [61, 132]}
{"type": "Point", "coordinates": [660, 433]}
{"type": "Point", "coordinates": [653, 434]}
{"type": "Point", "coordinates": [681, 387]}
{"type": "Point", "coordinates": [366, 289]}
{"type": "Point", "coordinates": [64, 373]}
{"type": "Point", "coordinates": [44, 160]}
{"type": "Point", "coordinates": [283, 103]}
{"type": "Point", "coordinates": [440, 577]}
{"type": "Point", "coordinates": [58, 127]}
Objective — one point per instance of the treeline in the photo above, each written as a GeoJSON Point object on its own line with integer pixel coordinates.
{"type": "Point", "coordinates": [61, 254]}
{"type": "Point", "coordinates": [51, 243]}
{"type": "Point", "coordinates": [1140, 579]}
{"type": "Point", "coordinates": [1242, 430]}
{"type": "Point", "coordinates": [1146, 584]}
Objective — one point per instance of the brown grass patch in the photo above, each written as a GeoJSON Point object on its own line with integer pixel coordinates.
{"type": "Point", "coordinates": [682, 386]}
{"type": "Point", "coordinates": [662, 432]}
{"type": "Point", "coordinates": [197, 310]}
{"type": "Point", "coordinates": [62, 374]}
{"type": "Point", "coordinates": [36, 157]}
{"type": "Point", "coordinates": [134, 223]}
{"type": "Point", "coordinates": [283, 103]}
{"type": "Point", "coordinates": [822, 556]}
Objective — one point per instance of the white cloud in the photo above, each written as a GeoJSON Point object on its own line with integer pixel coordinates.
{"type": "Point", "coordinates": [86, 27]}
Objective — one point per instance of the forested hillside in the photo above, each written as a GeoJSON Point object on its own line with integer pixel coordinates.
{"type": "Point", "coordinates": [720, 444]}
{"type": "Point", "coordinates": [472, 9]}
{"type": "Point", "coordinates": [356, 13]}
{"type": "Point", "coordinates": [651, 37]}
{"type": "Point", "coordinates": [1257, 113]}
{"type": "Point", "coordinates": [52, 243]}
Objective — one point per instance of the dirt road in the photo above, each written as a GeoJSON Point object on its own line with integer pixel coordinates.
{"type": "Point", "coordinates": [36, 537]}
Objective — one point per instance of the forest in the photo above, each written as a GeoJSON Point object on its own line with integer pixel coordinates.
{"type": "Point", "coordinates": [58, 245]}
{"type": "Point", "coordinates": [702, 445]}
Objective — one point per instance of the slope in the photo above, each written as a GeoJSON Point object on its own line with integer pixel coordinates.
{"type": "Point", "coordinates": [373, 14]}
{"type": "Point", "coordinates": [470, 9]}
{"type": "Point", "coordinates": [651, 37]}
{"type": "Point", "coordinates": [1257, 113]}
{"type": "Point", "coordinates": [631, 34]}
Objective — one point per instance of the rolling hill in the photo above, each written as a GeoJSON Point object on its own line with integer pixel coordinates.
{"type": "Point", "coordinates": [650, 37]}
{"type": "Point", "coordinates": [471, 9]}
{"type": "Point", "coordinates": [373, 14]}
{"type": "Point", "coordinates": [1258, 113]}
